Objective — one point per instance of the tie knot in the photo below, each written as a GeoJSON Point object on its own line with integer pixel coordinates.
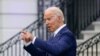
{"type": "Point", "coordinates": [52, 34]}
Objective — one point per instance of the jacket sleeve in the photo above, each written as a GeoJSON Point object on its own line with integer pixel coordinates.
{"type": "Point", "coordinates": [34, 51]}
{"type": "Point", "coordinates": [57, 47]}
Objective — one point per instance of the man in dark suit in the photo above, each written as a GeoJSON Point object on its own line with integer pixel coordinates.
{"type": "Point", "coordinates": [62, 43]}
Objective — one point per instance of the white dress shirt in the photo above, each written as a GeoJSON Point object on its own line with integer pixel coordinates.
{"type": "Point", "coordinates": [59, 29]}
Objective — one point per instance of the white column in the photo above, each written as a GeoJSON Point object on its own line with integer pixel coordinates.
{"type": "Point", "coordinates": [0, 29]}
{"type": "Point", "coordinates": [0, 24]}
{"type": "Point", "coordinates": [0, 21]}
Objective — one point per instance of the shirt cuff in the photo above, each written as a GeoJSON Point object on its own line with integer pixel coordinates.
{"type": "Point", "coordinates": [33, 41]}
{"type": "Point", "coordinates": [27, 44]}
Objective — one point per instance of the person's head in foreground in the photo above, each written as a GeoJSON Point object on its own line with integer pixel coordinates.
{"type": "Point", "coordinates": [53, 18]}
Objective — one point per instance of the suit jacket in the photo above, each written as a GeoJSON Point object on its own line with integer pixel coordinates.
{"type": "Point", "coordinates": [63, 44]}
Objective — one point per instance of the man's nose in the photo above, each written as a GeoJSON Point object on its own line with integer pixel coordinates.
{"type": "Point", "coordinates": [47, 22]}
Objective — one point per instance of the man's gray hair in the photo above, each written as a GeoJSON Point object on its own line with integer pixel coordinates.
{"type": "Point", "coordinates": [56, 10]}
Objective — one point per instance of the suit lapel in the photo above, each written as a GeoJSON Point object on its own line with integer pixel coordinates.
{"type": "Point", "coordinates": [57, 36]}
{"type": "Point", "coordinates": [63, 30]}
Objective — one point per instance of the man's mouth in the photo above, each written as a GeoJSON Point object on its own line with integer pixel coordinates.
{"type": "Point", "coordinates": [48, 27]}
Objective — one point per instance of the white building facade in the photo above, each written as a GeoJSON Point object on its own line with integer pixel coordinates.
{"type": "Point", "coordinates": [16, 15]}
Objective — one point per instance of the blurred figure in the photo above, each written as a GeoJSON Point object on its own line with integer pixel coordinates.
{"type": "Point", "coordinates": [62, 43]}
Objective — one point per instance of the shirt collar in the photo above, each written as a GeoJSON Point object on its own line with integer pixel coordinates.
{"type": "Point", "coordinates": [55, 32]}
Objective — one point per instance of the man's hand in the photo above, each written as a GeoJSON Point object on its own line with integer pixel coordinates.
{"type": "Point", "coordinates": [26, 36]}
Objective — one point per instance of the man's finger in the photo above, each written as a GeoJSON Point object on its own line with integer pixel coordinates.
{"type": "Point", "coordinates": [22, 36]}
{"type": "Point", "coordinates": [24, 32]}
